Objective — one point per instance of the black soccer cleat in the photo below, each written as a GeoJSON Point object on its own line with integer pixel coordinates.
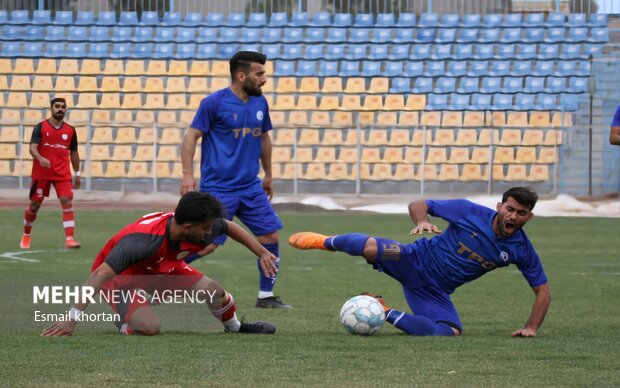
{"type": "Point", "coordinates": [257, 328]}
{"type": "Point", "coordinates": [272, 302]}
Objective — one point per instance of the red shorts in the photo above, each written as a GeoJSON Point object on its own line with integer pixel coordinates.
{"type": "Point", "coordinates": [126, 292]}
{"type": "Point", "coordinates": [40, 188]}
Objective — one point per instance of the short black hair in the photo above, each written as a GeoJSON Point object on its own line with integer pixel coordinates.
{"type": "Point", "coordinates": [57, 99]}
{"type": "Point", "coordinates": [242, 60]}
{"type": "Point", "coordinates": [195, 207]}
{"type": "Point", "coordinates": [523, 195]}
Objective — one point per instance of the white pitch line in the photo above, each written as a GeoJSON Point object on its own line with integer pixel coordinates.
{"type": "Point", "coordinates": [14, 256]}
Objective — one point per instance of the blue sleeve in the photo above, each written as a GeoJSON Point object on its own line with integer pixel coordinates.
{"type": "Point", "coordinates": [530, 266]}
{"type": "Point", "coordinates": [616, 121]}
{"type": "Point", "coordinates": [205, 116]}
{"type": "Point", "coordinates": [453, 210]}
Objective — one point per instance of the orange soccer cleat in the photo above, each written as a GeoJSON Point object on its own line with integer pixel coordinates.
{"type": "Point", "coordinates": [308, 240]}
{"type": "Point", "coordinates": [70, 243]}
{"type": "Point", "coordinates": [379, 299]}
{"type": "Point", "coordinates": [25, 242]}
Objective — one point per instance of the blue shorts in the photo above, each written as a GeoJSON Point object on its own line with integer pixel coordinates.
{"type": "Point", "coordinates": [254, 210]}
{"type": "Point", "coordinates": [423, 296]}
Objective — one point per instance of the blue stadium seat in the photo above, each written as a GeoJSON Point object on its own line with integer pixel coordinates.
{"type": "Point", "coordinates": [77, 33]}
{"type": "Point", "coordinates": [569, 102]}
{"type": "Point", "coordinates": [521, 68]}
{"type": "Point", "coordinates": [381, 35]}
{"type": "Point", "coordinates": [143, 50]}
{"type": "Point", "coordinates": [483, 51]}
{"type": "Point", "coordinates": [272, 34]}
{"type": "Point", "coordinates": [235, 19]}
{"type": "Point", "coordinates": [399, 52]}
{"type": "Point", "coordinates": [300, 19]}
{"type": "Point", "coordinates": [599, 35]}
{"type": "Point", "coordinates": [121, 33]}
{"type": "Point", "coordinates": [500, 68]}
{"type": "Point", "coordinates": [337, 34]}
{"type": "Point", "coordinates": [544, 68]}
{"type": "Point", "coordinates": [12, 32]}
{"type": "Point", "coordinates": [350, 69]}
{"type": "Point", "coordinates": [19, 16]}
{"type": "Point", "coordinates": [577, 34]}
{"type": "Point", "coordinates": [436, 68]}
{"type": "Point", "coordinates": [62, 18]}
{"type": "Point", "coordinates": [164, 34]}
{"type": "Point", "coordinates": [596, 20]}
{"type": "Point", "coordinates": [314, 34]}
{"type": "Point", "coordinates": [185, 51]}
{"type": "Point", "coordinates": [228, 34]}
{"type": "Point", "coordinates": [421, 51]}
{"type": "Point", "coordinates": [510, 35]}
{"type": "Point", "coordinates": [257, 19]}
{"type": "Point", "coordinates": [555, 34]}
{"type": "Point", "coordinates": [359, 35]}
{"type": "Point", "coordinates": [32, 49]}
{"type": "Point", "coordinates": [343, 20]}
{"type": "Point", "coordinates": [164, 50]}
{"type": "Point", "coordinates": [371, 68]}
{"type": "Point", "coordinates": [566, 68]}
{"type": "Point", "coordinates": [492, 20]}
{"type": "Point", "coordinates": [446, 35]}
{"type": "Point", "coordinates": [55, 33]}
{"type": "Point", "coordinates": [449, 20]}
{"type": "Point", "coordinates": [121, 50]}
{"type": "Point", "coordinates": [98, 50]}
{"type": "Point", "coordinates": [429, 20]}
{"type": "Point", "coordinates": [457, 69]}
{"type": "Point", "coordinates": [501, 101]}
{"type": "Point", "coordinates": [291, 51]}
{"type": "Point", "coordinates": [378, 52]}
{"type": "Point", "coordinates": [11, 49]}
{"type": "Point", "coordinates": [414, 69]}
{"type": "Point", "coordinates": [437, 102]}
{"type": "Point", "coordinates": [468, 85]}
{"type": "Point", "coordinates": [213, 19]}
{"type": "Point", "coordinates": [143, 34]}
{"type": "Point", "coordinates": [490, 85]}
{"type": "Point", "coordinates": [106, 18]}
{"type": "Point", "coordinates": [32, 32]}
{"type": "Point", "coordinates": [312, 51]}
{"type": "Point", "coordinates": [404, 35]}
{"type": "Point", "coordinates": [172, 19]}
{"type": "Point", "coordinates": [322, 19]}
{"type": "Point", "coordinates": [363, 20]}
{"type": "Point", "coordinates": [555, 84]}
{"type": "Point", "coordinates": [251, 34]}
{"type": "Point", "coordinates": [578, 85]}
{"type": "Point", "coordinates": [249, 47]}
{"type": "Point", "coordinates": [278, 19]}
{"type": "Point", "coordinates": [225, 51]}
{"type": "Point", "coordinates": [206, 51]}
{"type": "Point", "coordinates": [584, 68]}
{"type": "Point", "coordinates": [524, 102]}
{"type": "Point", "coordinates": [425, 35]}
{"type": "Point", "coordinates": [4, 16]}
{"type": "Point", "coordinates": [192, 19]}
{"type": "Point", "coordinates": [534, 84]}
{"type": "Point", "coordinates": [570, 51]}
{"type": "Point", "coordinates": [293, 34]}
{"type": "Point", "coordinates": [506, 51]}
{"type": "Point", "coordinates": [442, 51]}
{"type": "Point", "coordinates": [546, 101]}
{"type": "Point", "coordinates": [272, 50]}
{"type": "Point", "coordinates": [480, 101]}
{"type": "Point", "coordinates": [577, 20]}
{"type": "Point", "coordinates": [555, 19]}
{"type": "Point", "coordinates": [423, 85]}
{"type": "Point", "coordinates": [149, 18]}
{"type": "Point", "coordinates": [478, 68]}
{"type": "Point", "coordinates": [548, 51]}
{"type": "Point", "coordinates": [534, 20]}
{"type": "Point", "coordinates": [385, 20]}
{"type": "Point", "coordinates": [128, 18]}
{"type": "Point", "coordinates": [55, 49]}
{"type": "Point", "coordinates": [471, 20]}
{"type": "Point", "coordinates": [85, 18]}
{"type": "Point", "coordinates": [512, 84]}
{"type": "Point", "coordinates": [445, 85]}
{"type": "Point", "coordinates": [467, 35]}
{"type": "Point", "coordinates": [328, 68]}
{"type": "Point", "coordinates": [394, 69]}
{"type": "Point", "coordinates": [306, 68]}
{"type": "Point", "coordinates": [512, 20]}
{"type": "Point", "coordinates": [335, 51]}
{"type": "Point", "coordinates": [489, 35]}
{"type": "Point", "coordinates": [534, 34]}
{"type": "Point", "coordinates": [526, 51]}
{"type": "Point", "coordinates": [591, 50]}
{"type": "Point", "coordinates": [41, 16]}
{"type": "Point", "coordinates": [400, 85]}
{"type": "Point", "coordinates": [406, 19]}
{"type": "Point", "coordinates": [459, 102]}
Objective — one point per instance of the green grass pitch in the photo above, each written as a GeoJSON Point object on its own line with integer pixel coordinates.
{"type": "Point", "coordinates": [578, 345]}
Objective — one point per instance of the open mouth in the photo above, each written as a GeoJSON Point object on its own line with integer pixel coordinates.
{"type": "Point", "coordinates": [509, 227]}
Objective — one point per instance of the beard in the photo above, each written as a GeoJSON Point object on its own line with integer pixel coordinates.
{"type": "Point", "coordinates": [252, 90]}
{"type": "Point", "coordinates": [59, 115]}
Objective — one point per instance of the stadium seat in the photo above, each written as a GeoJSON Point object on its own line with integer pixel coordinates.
{"type": "Point", "coordinates": [128, 18]}
{"type": "Point", "coordinates": [538, 173]}
{"type": "Point", "coordinates": [446, 35]}
{"type": "Point", "coordinates": [423, 85]}
{"type": "Point", "coordinates": [515, 172]}
{"type": "Point", "coordinates": [278, 19]}
{"type": "Point", "coordinates": [513, 20]}
{"type": "Point", "coordinates": [445, 85]}
{"type": "Point", "coordinates": [257, 19]}
{"type": "Point", "coordinates": [555, 34]}
{"type": "Point", "coordinates": [385, 20]}
{"type": "Point", "coordinates": [467, 35]}
{"type": "Point", "coordinates": [502, 101]}
{"type": "Point", "coordinates": [234, 19]}
{"type": "Point", "coordinates": [426, 35]}
{"type": "Point", "coordinates": [596, 20]}
{"type": "Point", "coordinates": [490, 85]}
{"type": "Point", "coordinates": [63, 17]}
{"type": "Point", "coordinates": [414, 69]}
{"type": "Point", "coordinates": [363, 20]}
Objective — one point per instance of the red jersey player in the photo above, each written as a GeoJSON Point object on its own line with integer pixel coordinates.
{"type": "Point", "coordinates": [147, 256]}
{"type": "Point", "coordinates": [53, 146]}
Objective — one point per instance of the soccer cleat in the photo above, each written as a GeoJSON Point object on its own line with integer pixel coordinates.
{"type": "Point", "coordinates": [257, 328]}
{"type": "Point", "coordinates": [70, 243]}
{"type": "Point", "coordinates": [308, 240]}
{"type": "Point", "coordinates": [379, 298]}
{"type": "Point", "coordinates": [272, 302]}
{"type": "Point", "coordinates": [25, 242]}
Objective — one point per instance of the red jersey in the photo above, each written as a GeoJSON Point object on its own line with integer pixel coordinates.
{"type": "Point", "coordinates": [54, 144]}
{"type": "Point", "coordinates": [144, 247]}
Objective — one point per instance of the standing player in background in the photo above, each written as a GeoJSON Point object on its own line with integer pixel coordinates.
{"type": "Point", "coordinates": [477, 241]}
{"type": "Point", "coordinates": [234, 125]}
{"type": "Point", "coordinates": [614, 134]}
{"type": "Point", "coordinates": [53, 146]}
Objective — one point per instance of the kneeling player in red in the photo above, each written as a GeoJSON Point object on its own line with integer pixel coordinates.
{"type": "Point", "coordinates": [147, 257]}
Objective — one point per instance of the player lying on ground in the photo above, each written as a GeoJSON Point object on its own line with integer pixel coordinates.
{"type": "Point", "coordinates": [147, 256]}
{"type": "Point", "coordinates": [477, 241]}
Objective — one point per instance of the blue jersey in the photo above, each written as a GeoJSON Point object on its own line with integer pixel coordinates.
{"type": "Point", "coordinates": [231, 142]}
{"type": "Point", "coordinates": [616, 121]}
{"type": "Point", "coordinates": [469, 248]}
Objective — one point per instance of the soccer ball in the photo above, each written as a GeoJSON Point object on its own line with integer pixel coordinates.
{"type": "Point", "coordinates": [362, 315]}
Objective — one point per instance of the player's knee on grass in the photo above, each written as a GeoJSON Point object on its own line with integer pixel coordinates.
{"type": "Point", "coordinates": [370, 250]}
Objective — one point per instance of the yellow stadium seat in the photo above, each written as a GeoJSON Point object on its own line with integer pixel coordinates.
{"type": "Point", "coordinates": [421, 137]}
{"type": "Point", "coordinates": [314, 171]}
{"type": "Point", "coordinates": [163, 170]}
{"type": "Point", "coordinates": [82, 136]}
{"type": "Point", "coordinates": [325, 154]}
{"type": "Point", "coordinates": [444, 137]}
{"type": "Point", "coordinates": [39, 100]}
{"type": "Point", "coordinates": [134, 67]}
{"type": "Point", "coordinates": [67, 67]}
{"type": "Point", "coordinates": [194, 101]}
{"type": "Point", "coordinates": [480, 155]}
{"type": "Point", "coordinates": [414, 155]}
{"type": "Point", "coordinates": [553, 137]}
{"type": "Point", "coordinates": [101, 117]}
{"type": "Point", "coordinates": [47, 66]}
{"type": "Point", "coordinates": [503, 155]}
{"type": "Point", "coordinates": [284, 171]}
{"type": "Point", "coordinates": [332, 137]}
{"type": "Point", "coordinates": [371, 155]}
{"type": "Point", "coordinates": [516, 172]}
{"type": "Point", "coordinates": [466, 137]}
{"type": "Point", "coordinates": [178, 68]}
{"type": "Point", "coordinates": [284, 102]}
{"type": "Point", "coordinates": [306, 102]}
{"type": "Point", "coordinates": [510, 137]}
{"type": "Point", "coordinates": [436, 155]}
{"type": "Point", "coordinates": [281, 154]}
{"type": "Point", "coordinates": [394, 102]}
{"type": "Point", "coordinates": [6, 67]}
{"type": "Point", "coordinates": [538, 172]}
{"type": "Point", "coordinates": [332, 85]}
{"type": "Point", "coordinates": [497, 119]}
{"type": "Point", "coordinates": [540, 119]}
{"type": "Point", "coordinates": [277, 118]}
{"type": "Point", "coordinates": [525, 155]}
{"type": "Point", "coordinates": [547, 155]}
{"type": "Point", "coordinates": [371, 102]}
{"type": "Point", "coordinates": [287, 85]}
{"type": "Point", "coordinates": [102, 135]}
{"type": "Point", "coordinates": [154, 84]}
{"type": "Point", "coordinates": [377, 137]}
{"type": "Point", "coordinates": [144, 117]}
{"type": "Point", "coordinates": [459, 155]}
{"type": "Point", "coordinates": [329, 103]}
{"type": "Point", "coordinates": [429, 172]}
{"type": "Point", "coordinates": [387, 118]}
{"type": "Point", "coordinates": [132, 84]}
{"type": "Point", "coordinates": [23, 66]}
{"type": "Point", "coordinates": [309, 85]}
{"type": "Point", "coordinates": [168, 152]}
{"type": "Point", "coordinates": [398, 137]}
{"type": "Point", "coordinates": [448, 172]}
{"type": "Point", "coordinates": [484, 137]}
{"type": "Point", "coordinates": [200, 68]}
{"type": "Point", "coordinates": [33, 116]}
{"type": "Point", "coordinates": [220, 68]}
{"type": "Point", "coordinates": [177, 85]}
{"type": "Point", "coordinates": [351, 102]}
{"type": "Point", "coordinates": [115, 169]}
{"type": "Point", "coordinates": [113, 67]}
{"type": "Point", "coordinates": [340, 172]}
{"type": "Point", "coordinates": [145, 152]}
{"type": "Point", "coordinates": [473, 119]}
{"type": "Point", "coordinates": [125, 135]}
{"type": "Point", "coordinates": [320, 118]}
{"type": "Point", "coordinates": [517, 119]}
{"type": "Point", "coordinates": [218, 83]}
{"type": "Point", "coordinates": [64, 84]}
{"type": "Point", "coordinates": [284, 137]}
{"type": "Point", "coordinates": [304, 155]}
{"type": "Point", "coordinates": [380, 172]}
{"type": "Point", "coordinates": [366, 119]}
{"type": "Point", "coordinates": [138, 170]}
{"type": "Point", "coordinates": [21, 83]}
{"type": "Point", "coordinates": [43, 83]}
{"type": "Point", "coordinates": [355, 85]}
{"type": "Point", "coordinates": [562, 119]}
{"type": "Point", "coordinates": [452, 119]}
{"type": "Point", "coordinates": [309, 137]}
{"type": "Point", "coordinates": [10, 134]}
{"type": "Point", "coordinates": [170, 136]}
{"type": "Point", "coordinates": [22, 169]}
{"type": "Point", "coordinates": [95, 169]}
{"type": "Point", "coordinates": [8, 151]}
{"type": "Point", "coordinates": [89, 67]}
{"type": "Point", "coordinates": [379, 85]}
{"type": "Point", "coordinates": [353, 137]}
{"type": "Point", "coordinates": [471, 172]}
{"type": "Point", "coordinates": [133, 101]}
{"type": "Point", "coordinates": [146, 136]}
{"type": "Point", "coordinates": [532, 137]}
{"type": "Point", "coordinates": [122, 152]}
{"type": "Point", "coordinates": [408, 119]}
{"type": "Point", "coordinates": [404, 172]}
{"type": "Point", "coordinates": [87, 84]}
{"type": "Point", "coordinates": [156, 67]}
{"type": "Point", "coordinates": [392, 155]}
{"type": "Point", "coordinates": [186, 118]}
{"type": "Point", "coordinates": [167, 118]}
{"type": "Point", "coordinates": [123, 117]}
{"type": "Point", "coordinates": [111, 100]}
{"type": "Point", "coordinates": [430, 118]}
{"type": "Point", "coordinates": [176, 101]}
{"type": "Point", "coordinates": [100, 152]}
{"type": "Point", "coordinates": [154, 101]}
{"type": "Point", "coordinates": [10, 117]}
{"type": "Point", "coordinates": [198, 85]}
{"type": "Point", "coordinates": [5, 168]}
{"type": "Point", "coordinates": [347, 155]}
{"type": "Point", "coordinates": [77, 117]}
{"type": "Point", "coordinates": [415, 102]}
{"type": "Point", "coordinates": [4, 85]}
{"type": "Point", "coordinates": [342, 118]}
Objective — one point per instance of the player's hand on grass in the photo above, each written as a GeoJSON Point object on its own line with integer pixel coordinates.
{"type": "Point", "coordinates": [424, 227]}
{"type": "Point", "coordinates": [188, 183]}
{"type": "Point", "coordinates": [268, 187]}
{"type": "Point", "coordinates": [268, 264]}
{"type": "Point", "coordinates": [59, 329]}
{"type": "Point", "coordinates": [525, 332]}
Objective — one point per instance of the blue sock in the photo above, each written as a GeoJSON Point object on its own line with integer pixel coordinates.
{"type": "Point", "coordinates": [352, 243]}
{"type": "Point", "coordinates": [266, 283]}
{"type": "Point", "coordinates": [417, 324]}
{"type": "Point", "coordinates": [191, 258]}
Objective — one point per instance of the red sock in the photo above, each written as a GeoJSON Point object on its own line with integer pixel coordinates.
{"type": "Point", "coordinates": [29, 218]}
{"type": "Point", "coordinates": [225, 311]}
{"type": "Point", "coordinates": [68, 220]}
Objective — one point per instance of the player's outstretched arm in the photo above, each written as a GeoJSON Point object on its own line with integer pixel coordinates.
{"type": "Point", "coordinates": [539, 311]}
{"type": "Point", "coordinates": [188, 183]}
{"type": "Point", "coordinates": [95, 280]}
{"type": "Point", "coordinates": [267, 259]}
{"type": "Point", "coordinates": [418, 211]}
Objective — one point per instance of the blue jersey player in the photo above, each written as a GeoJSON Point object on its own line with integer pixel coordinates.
{"type": "Point", "coordinates": [614, 134]}
{"type": "Point", "coordinates": [234, 125]}
{"type": "Point", "coordinates": [477, 241]}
